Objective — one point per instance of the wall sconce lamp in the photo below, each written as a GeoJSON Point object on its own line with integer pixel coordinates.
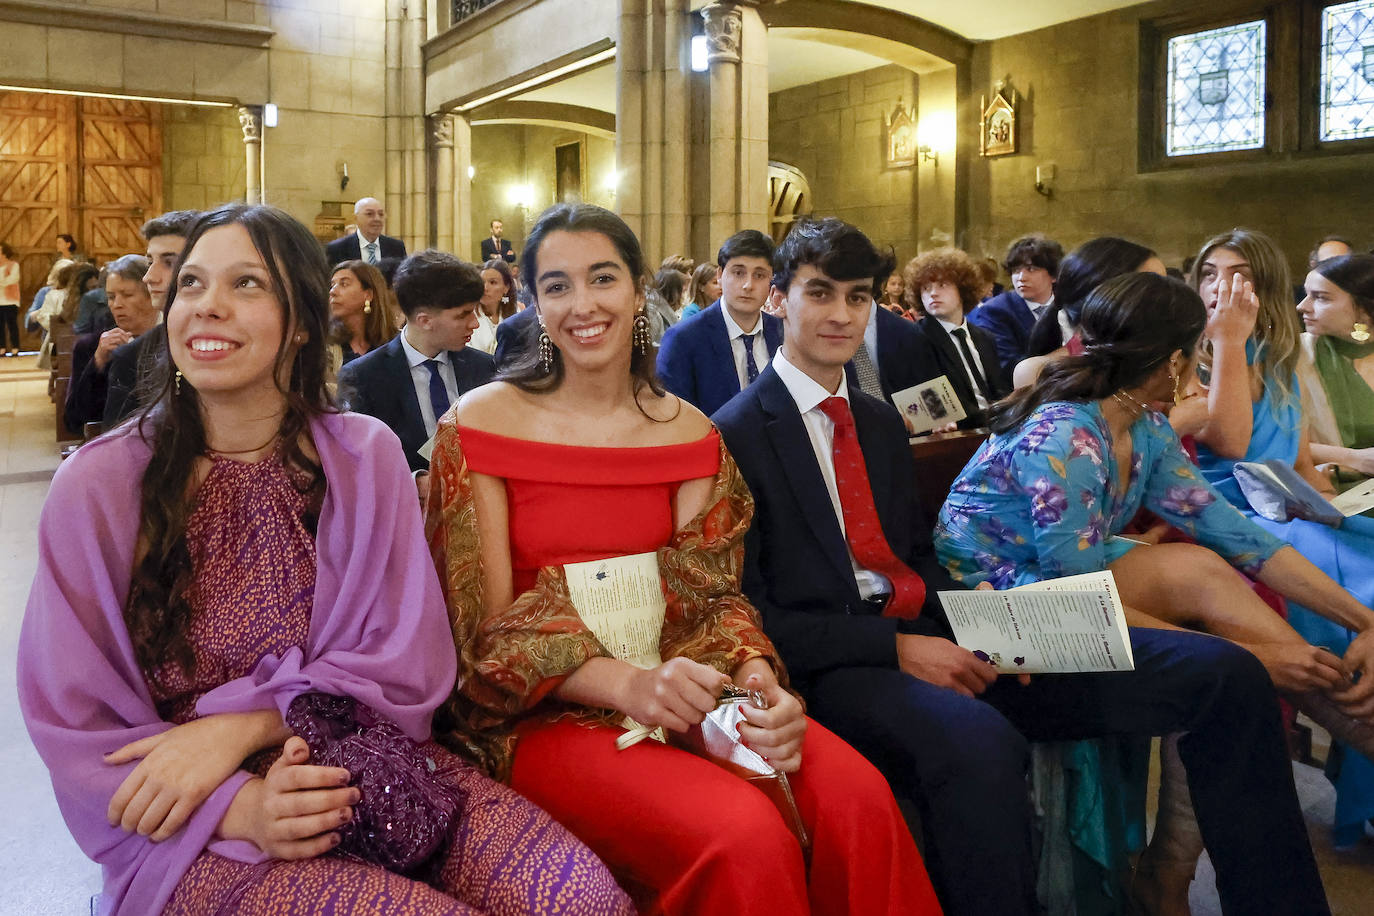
{"type": "Point", "coordinates": [928, 154]}
{"type": "Point", "coordinates": [1044, 179]}
{"type": "Point", "coordinates": [521, 196]}
{"type": "Point", "coordinates": [343, 176]}
{"type": "Point", "coordinates": [935, 132]}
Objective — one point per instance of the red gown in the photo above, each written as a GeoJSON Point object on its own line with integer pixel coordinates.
{"type": "Point", "coordinates": [696, 838]}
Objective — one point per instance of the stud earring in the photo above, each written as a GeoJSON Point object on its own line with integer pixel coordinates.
{"type": "Point", "coordinates": [367, 307]}
{"type": "Point", "coordinates": [1361, 333]}
{"type": "Point", "coordinates": [177, 376]}
{"type": "Point", "coordinates": [545, 351]}
{"type": "Point", "coordinates": [643, 341]}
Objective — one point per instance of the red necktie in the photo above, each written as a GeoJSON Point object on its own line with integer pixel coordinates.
{"type": "Point", "coordinates": [861, 525]}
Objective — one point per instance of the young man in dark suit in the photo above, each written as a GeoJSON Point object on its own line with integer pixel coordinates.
{"type": "Point", "coordinates": [497, 247]}
{"type": "Point", "coordinates": [368, 243]}
{"type": "Point", "coordinates": [838, 561]}
{"type": "Point", "coordinates": [712, 356]}
{"type": "Point", "coordinates": [946, 280]}
{"type": "Point", "coordinates": [412, 381]}
{"type": "Point", "coordinates": [1033, 262]}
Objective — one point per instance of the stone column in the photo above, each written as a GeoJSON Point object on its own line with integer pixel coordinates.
{"type": "Point", "coordinates": [250, 119]}
{"type": "Point", "coordinates": [738, 55]}
{"type": "Point", "coordinates": [461, 205]}
{"type": "Point", "coordinates": [407, 191]}
{"type": "Point", "coordinates": [441, 135]}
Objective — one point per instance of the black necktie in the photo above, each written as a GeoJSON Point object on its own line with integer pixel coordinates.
{"type": "Point", "coordinates": [961, 336]}
{"type": "Point", "coordinates": [751, 368]}
{"type": "Point", "coordinates": [438, 394]}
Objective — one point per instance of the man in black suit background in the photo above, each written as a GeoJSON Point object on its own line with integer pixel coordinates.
{"type": "Point", "coordinates": [497, 247]}
{"type": "Point", "coordinates": [368, 243]}
{"type": "Point", "coordinates": [946, 281]}
{"type": "Point", "coordinates": [410, 382]}
{"type": "Point", "coordinates": [838, 562]}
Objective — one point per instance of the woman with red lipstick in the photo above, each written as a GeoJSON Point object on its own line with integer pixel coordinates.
{"type": "Point", "coordinates": [361, 307]}
{"type": "Point", "coordinates": [233, 689]}
{"type": "Point", "coordinates": [577, 453]}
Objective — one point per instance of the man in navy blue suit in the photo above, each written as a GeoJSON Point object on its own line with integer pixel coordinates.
{"type": "Point", "coordinates": [712, 356]}
{"type": "Point", "coordinates": [1033, 262]}
{"type": "Point", "coordinates": [367, 244]}
{"type": "Point", "coordinates": [839, 563]}
{"type": "Point", "coordinates": [411, 382]}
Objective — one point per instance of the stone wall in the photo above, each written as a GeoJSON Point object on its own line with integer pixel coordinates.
{"type": "Point", "coordinates": [202, 157]}
{"type": "Point", "coordinates": [507, 155]}
{"type": "Point", "coordinates": [1080, 84]}
{"type": "Point", "coordinates": [833, 132]}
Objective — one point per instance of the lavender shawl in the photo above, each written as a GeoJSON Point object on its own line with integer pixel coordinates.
{"type": "Point", "coordinates": [378, 632]}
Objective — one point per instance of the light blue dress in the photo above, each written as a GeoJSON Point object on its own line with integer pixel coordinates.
{"type": "Point", "coordinates": [1346, 554]}
{"type": "Point", "coordinates": [1047, 500]}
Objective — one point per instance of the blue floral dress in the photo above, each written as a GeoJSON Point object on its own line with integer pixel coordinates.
{"type": "Point", "coordinates": [1046, 501]}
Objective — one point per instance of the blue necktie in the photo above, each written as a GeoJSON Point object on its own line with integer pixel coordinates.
{"type": "Point", "coordinates": [371, 249]}
{"type": "Point", "coordinates": [438, 394]}
{"type": "Point", "coordinates": [751, 368]}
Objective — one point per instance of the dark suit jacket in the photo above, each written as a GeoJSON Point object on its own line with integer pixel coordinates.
{"type": "Point", "coordinates": [349, 248]}
{"type": "Point", "coordinates": [696, 362]}
{"type": "Point", "coordinates": [510, 336]}
{"type": "Point", "coordinates": [796, 564]}
{"type": "Point", "coordinates": [952, 366]}
{"type": "Point", "coordinates": [130, 366]}
{"type": "Point", "coordinates": [86, 394]}
{"type": "Point", "coordinates": [379, 384]}
{"type": "Point", "coordinates": [905, 356]}
{"type": "Point", "coordinates": [1009, 320]}
{"type": "Point", "coordinates": [507, 252]}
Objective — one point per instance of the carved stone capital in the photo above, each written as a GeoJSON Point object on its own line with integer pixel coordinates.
{"type": "Point", "coordinates": [250, 119]}
{"type": "Point", "coordinates": [724, 23]}
{"type": "Point", "coordinates": [441, 130]}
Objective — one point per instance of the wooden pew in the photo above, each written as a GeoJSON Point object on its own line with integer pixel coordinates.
{"type": "Point", "coordinates": [64, 339]}
{"type": "Point", "coordinates": [938, 459]}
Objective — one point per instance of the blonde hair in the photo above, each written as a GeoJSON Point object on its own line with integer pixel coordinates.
{"type": "Point", "coordinates": [1278, 330]}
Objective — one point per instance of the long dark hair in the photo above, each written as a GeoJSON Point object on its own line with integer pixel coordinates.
{"type": "Point", "coordinates": [1083, 270]}
{"type": "Point", "coordinates": [157, 613]}
{"type": "Point", "coordinates": [508, 305]}
{"type": "Point", "coordinates": [1130, 325]}
{"type": "Point", "coordinates": [526, 371]}
{"type": "Point", "coordinates": [1353, 273]}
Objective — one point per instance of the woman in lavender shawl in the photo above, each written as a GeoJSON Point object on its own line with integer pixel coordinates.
{"type": "Point", "coordinates": [242, 546]}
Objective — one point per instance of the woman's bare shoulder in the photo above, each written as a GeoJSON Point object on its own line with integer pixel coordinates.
{"type": "Point", "coordinates": [681, 421]}
{"type": "Point", "coordinates": [491, 407]}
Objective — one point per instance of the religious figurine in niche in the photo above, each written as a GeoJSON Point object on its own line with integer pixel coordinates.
{"type": "Point", "coordinates": [997, 131]}
{"type": "Point", "coordinates": [901, 137]}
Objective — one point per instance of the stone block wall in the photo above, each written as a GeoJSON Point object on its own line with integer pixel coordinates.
{"type": "Point", "coordinates": [202, 157]}
{"type": "Point", "coordinates": [1080, 84]}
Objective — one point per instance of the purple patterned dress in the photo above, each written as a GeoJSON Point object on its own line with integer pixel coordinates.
{"type": "Point", "coordinates": [254, 562]}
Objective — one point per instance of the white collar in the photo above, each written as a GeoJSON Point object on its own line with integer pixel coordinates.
{"type": "Point", "coordinates": [414, 357]}
{"type": "Point", "coordinates": [733, 329]}
{"type": "Point", "coordinates": [364, 241]}
{"type": "Point", "coordinates": [805, 391]}
{"type": "Point", "coordinates": [951, 326]}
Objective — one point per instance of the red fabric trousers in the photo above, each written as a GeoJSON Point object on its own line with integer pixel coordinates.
{"type": "Point", "coordinates": [708, 842]}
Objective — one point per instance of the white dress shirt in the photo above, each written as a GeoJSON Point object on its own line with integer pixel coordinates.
{"type": "Point", "coordinates": [364, 241]}
{"type": "Point", "coordinates": [951, 327]}
{"type": "Point", "coordinates": [484, 338]}
{"type": "Point", "coordinates": [1038, 308]}
{"type": "Point", "coordinates": [737, 346]}
{"type": "Point", "coordinates": [820, 429]}
{"type": "Point", "coordinates": [419, 375]}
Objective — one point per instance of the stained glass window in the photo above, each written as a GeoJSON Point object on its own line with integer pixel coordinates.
{"type": "Point", "coordinates": [1347, 102]}
{"type": "Point", "coordinates": [1215, 90]}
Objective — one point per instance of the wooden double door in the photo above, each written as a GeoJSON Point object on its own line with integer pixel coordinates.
{"type": "Point", "coordinates": [88, 167]}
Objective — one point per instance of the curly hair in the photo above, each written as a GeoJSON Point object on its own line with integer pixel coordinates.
{"type": "Point", "coordinates": [943, 265]}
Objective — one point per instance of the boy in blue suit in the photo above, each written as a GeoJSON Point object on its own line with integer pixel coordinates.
{"type": "Point", "coordinates": [1033, 262]}
{"type": "Point", "coordinates": [865, 644]}
{"type": "Point", "coordinates": [719, 351]}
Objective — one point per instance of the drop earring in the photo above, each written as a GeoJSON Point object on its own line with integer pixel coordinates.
{"type": "Point", "coordinates": [1361, 333]}
{"type": "Point", "coordinates": [367, 307]}
{"type": "Point", "coordinates": [177, 377]}
{"type": "Point", "coordinates": [545, 350]}
{"type": "Point", "coordinates": [642, 339]}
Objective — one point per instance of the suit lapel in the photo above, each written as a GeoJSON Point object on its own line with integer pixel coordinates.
{"type": "Point", "coordinates": [404, 387]}
{"type": "Point", "coordinates": [772, 333]}
{"type": "Point", "coordinates": [792, 452]}
{"type": "Point", "coordinates": [867, 424]}
{"type": "Point", "coordinates": [721, 356]}
{"type": "Point", "coordinates": [952, 362]}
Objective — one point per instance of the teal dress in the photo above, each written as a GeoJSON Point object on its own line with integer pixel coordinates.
{"type": "Point", "coordinates": [1346, 554]}
{"type": "Point", "coordinates": [1047, 500]}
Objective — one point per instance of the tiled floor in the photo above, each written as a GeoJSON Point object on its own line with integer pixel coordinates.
{"type": "Point", "coordinates": [41, 869]}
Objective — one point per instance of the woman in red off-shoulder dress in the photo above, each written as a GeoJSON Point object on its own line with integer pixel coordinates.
{"type": "Point", "coordinates": [577, 455]}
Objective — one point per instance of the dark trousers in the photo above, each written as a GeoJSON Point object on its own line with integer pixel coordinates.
{"type": "Point", "coordinates": [963, 763]}
{"type": "Point", "coordinates": [9, 327]}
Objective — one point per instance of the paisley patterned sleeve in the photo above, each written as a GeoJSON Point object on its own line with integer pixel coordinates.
{"type": "Point", "coordinates": [708, 619]}
{"type": "Point", "coordinates": [1181, 496]}
{"type": "Point", "coordinates": [509, 661]}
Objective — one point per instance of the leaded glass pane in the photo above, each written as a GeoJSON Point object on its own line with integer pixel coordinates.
{"type": "Point", "coordinates": [1347, 109]}
{"type": "Point", "coordinates": [1216, 90]}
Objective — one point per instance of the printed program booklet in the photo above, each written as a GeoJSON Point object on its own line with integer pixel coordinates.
{"type": "Point", "coordinates": [929, 405]}
{"type": "Point", "coordinates": [1059, 626]}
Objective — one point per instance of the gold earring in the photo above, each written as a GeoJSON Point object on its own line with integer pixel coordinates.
{"type": "Point", "coordinates": [367, 307]}
{"type": "Point", "coordinates": [1361, 333]}
{"type": "Point", "coordinates": [178, 381]}
{"type": "Point", "coordinates": [545, 350]}
{"type": "Point", "coordinates": [643, 341]}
